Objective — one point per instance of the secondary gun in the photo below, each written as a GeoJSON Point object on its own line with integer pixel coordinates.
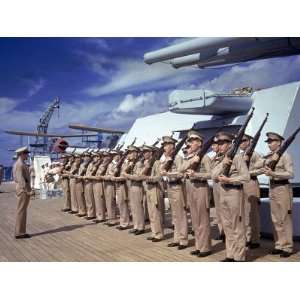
{"type": "Point", "coordinates": [272, 163]}
{"type": "Point", "coordinates": [236, 144]}
{"type": "Point", "coordinates": [251, 148]}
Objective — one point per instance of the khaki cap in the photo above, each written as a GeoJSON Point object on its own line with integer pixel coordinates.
{"type": "Point", "coordinates": [225, 136]}
{"type": "Point", "coordinates": [147, 148]}
{"type": "Point", "coordinates": [22, 150]}
{"type": "Point", "coordinates": [193, 134]}
{"type": "Point", "coordinates": [273, 136]}
{"type": "Point", "coordinates": [168, 140]}
{"type": "Point", "coordinates": [133, 148]}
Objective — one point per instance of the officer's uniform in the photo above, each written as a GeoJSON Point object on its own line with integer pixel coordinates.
{"type": "Point", "coordinates": [72, 183]}
{"type": "Point", "coordinates": [197, 192]}
{"type": "Point", "coordinates": [88, 192]}
{"type": "Point", "coordinates": [281, 200]}
{"type": "Point", "coordinates": [65, 184]}
{"type": "Point", "coordinates": [154, 197]}
{"type": "Point", "coordinates": [177, 199]}
{"type": "Point", "coordinates": [232, 205]}
{"type": "Point", "coordinates": [79, 189]}
{"type": "Point", "coordinates": [22, 179]}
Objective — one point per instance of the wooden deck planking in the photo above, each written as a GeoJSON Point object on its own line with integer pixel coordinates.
{"type": "Point", "coordinates": [59, 236]}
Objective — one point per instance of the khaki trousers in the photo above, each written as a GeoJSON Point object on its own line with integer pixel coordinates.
{"type": "Point", "coordinates": [216, 193]}
{"type": "Point", "coordinates": [99, 198]}
{"type": "Point", "coordinates": [232, 218]}
{"type": "Point", "coordinates": [89, 199]}
{"type": "Point", "coordinates": [79, 190]}
{"type": "Point", "coordinates": [123, 203]}
{"type": "Point", "coordinates": [198, 199]}
{"type": "Point", "coordinates": [252, 218]}
{"type": "Point", "coordinates": [179, 215]}
{"type": "Point", "coordinates": [281, 207]}
{"type": "Point", "coordinates": [155, 207]}
{"type": "Point", "coordinates": [21, 215]}
{"type": "Point", "coordinates": [110, 200]}
{"type": "Point", "coordinates": [74, 203]}
{"type": "Point", "coordinates": [136, 193]}
{"type": "Point", "coordinates": [67, 194]}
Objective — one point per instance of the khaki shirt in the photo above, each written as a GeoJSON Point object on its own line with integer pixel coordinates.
{"type": "Point", "coordinates": [256, 164]}
{"type": "Point", "coordinates": [284, 168]}
{"type": "Point", "coordinates": [111, 168]}
{"type": "Point", "coordinates": [21, 176]}
{"type": "Point", "coordinates": [238, 171]}
{"type": "Point", "coordinates": [89, 169]}
{"type": "Point", "coordinates": [203, 170]}
{"type": "Point", "coordinates": [175, 171]}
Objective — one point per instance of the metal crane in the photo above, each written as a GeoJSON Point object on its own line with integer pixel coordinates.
{"type": "Point", "coordinates": [42, 128]}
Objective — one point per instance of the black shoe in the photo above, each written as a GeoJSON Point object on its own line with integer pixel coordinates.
{"type": "Point", "coordinates": [23, 236]}
{"type": "Point", "coordinates": [81, 215]}
{"type": "Point", "coordinates": [90, 218]}
{"type": "Point", "coordinates": [276, 252]}
{"type": "Point", "coordinates": [149, 238]}
{"type": "Point", "coordinates": [254, 245]}
{"type": "Point", "coordinates": [138, 232]}
{"type": "Point", "coordinates": [173, 245]}
{"type": "Point", "coordinates": [227, 259]}
{"type": "Point", "coordinates": [195, 252]}
{"type": "Point", "coordinates": [181, 247]}
{"type": "Point", "coordinates": [96, 221]}
{"type": "Point", "coordinates": [285, 254]}
{"type": "Point", "coordinates": [111, 224]}
{"type": "Point", "coordinates": [132, 231]}
{"type": "Point", "coordinates": [155, 240]}
{"type": "Point", "coordinates": [65, 209]}
{"type": "Point", "coordinates": [204, 254]}
{"type": "Point", "coordinates": [72, 212]}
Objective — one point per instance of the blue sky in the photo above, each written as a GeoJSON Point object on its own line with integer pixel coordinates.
{"type": "Point", "coordinates": [104, 81]}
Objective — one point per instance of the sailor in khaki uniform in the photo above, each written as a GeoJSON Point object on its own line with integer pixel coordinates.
{"type": "Point", "coordinates": [216, 192]}
{"type": "Point", "coordinates": [67, 162]}
{"type": "Point", "coordinates": [252, 195]}
{"type": "Point", "coordinates": [281, 197]}
{"type": "Point", "coordinates": [72, 181]}
{"type": "Point", "coordinates": [88, 188]}
{"type": "Point", "coordinates": [110, 190]}
{"type": "Point", "coordinates": [232, 200]}
{"type": "Point", "coordinates": [197, 192]}
{"type": "Point", "coordinates": [122, 197]}
{"type": "Point", "coordinates": [23, 192]}
{"type": "Point", "coordinates": [154, 195]}
{"type": "Point", "coordinates": [98, 188]}
{"type": "Point", "coordinates": [176, 195]}
{"type": "Point", "coordinates": [136, 190]}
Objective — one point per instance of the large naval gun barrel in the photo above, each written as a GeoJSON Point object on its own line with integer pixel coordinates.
{"type": "Point", "coordinates": [186, 48]}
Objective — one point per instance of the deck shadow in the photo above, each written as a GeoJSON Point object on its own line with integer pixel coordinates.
{"type": "Point", "coordinates": [61, 229]}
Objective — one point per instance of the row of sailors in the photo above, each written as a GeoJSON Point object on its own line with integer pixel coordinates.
{"type": "Point", "coordinates": [93, 190]}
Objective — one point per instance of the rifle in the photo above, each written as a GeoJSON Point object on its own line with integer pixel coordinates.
{"type": "Point", "coordinates": [155, 156]}
{"type": "Point", "coordinates": [272, 163]}
{"type": "Point", "coordinates": [121, 161]}
{"type": "Point", "coordinates": [236, 144]}
{"type": "Point", "coordinates": [250, 150]}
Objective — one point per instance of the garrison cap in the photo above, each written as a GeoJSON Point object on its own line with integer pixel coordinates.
{"type": "Point", "coordinates": [273, 136]}
{"type": "Point", "coordinates": [22, 150]}
{"type": "Point", "coordinates": [225, 136]}
{"type": "Point", "coordinates": [133, 148]}
{"type": "Point", "coordinates": [168, 140]}
{"type": "Point", "coordinates": [193, 134]}
{"type": "Point", "coordinates": [215, 141]}
{"type": "Point", "coordinates": [113, 152]}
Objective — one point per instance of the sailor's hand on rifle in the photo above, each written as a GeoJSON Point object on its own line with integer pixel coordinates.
{"type": "Point", "coordinates": [267, 171]}
{"type": "Point", "coordinates": [163, 172]}
{"type": "Point", "coordinates": [224, 179]}
{"type": "Point", "coordinates": [195, 159]}
{"type": "Point", "coordinates": [246, 158]}
{"type": "Point", "coordinates": [190, 173]}
{"type": "Point", "coordinates": [227, 160]}
{"type": "Point", "coordinates": [275, 156]}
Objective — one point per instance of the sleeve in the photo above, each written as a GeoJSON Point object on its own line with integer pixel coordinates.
{"type": "Point", "coordinates": [242, 171]}
{"type": "Point", "coordinates": [19, 177]}
{"type": "Point", "coordinates": [206, 162]}
{"type": "Point", "coordinates": [217, 171]}
{"type": "Point", "coordinates": [256, 165]}
{"type": "Point", "coordinates": [288, 172]}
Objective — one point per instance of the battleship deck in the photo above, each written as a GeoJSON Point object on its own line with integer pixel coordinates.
{"type": "Point", "coordinates": [58, 236]}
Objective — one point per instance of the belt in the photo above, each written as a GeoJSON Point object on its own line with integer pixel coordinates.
{"type": "Point", "coordinates": [151, 183]}
{"type": "Point", "coordinates": [232, 186]}
{"type": "Point", "coordinates": [280, 182]}
{"type": "Point", "coordinates": [253, 177]}
{"type": "Point", "coordinates": [174, 183]}
{"type": "Point", "coordinates": [136, 183]}
{"type": "Point", "coordinates": [198, 181]}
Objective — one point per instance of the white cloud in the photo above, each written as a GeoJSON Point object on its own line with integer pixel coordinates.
{"type": "Point", "coordinates": [132, 73]}
{"type": "Point", "coordinates": [7, 105]}
{"type": "Point", "coordinates": [99, 42]}
{"type": "Point", "coordinates": [36, 86]}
